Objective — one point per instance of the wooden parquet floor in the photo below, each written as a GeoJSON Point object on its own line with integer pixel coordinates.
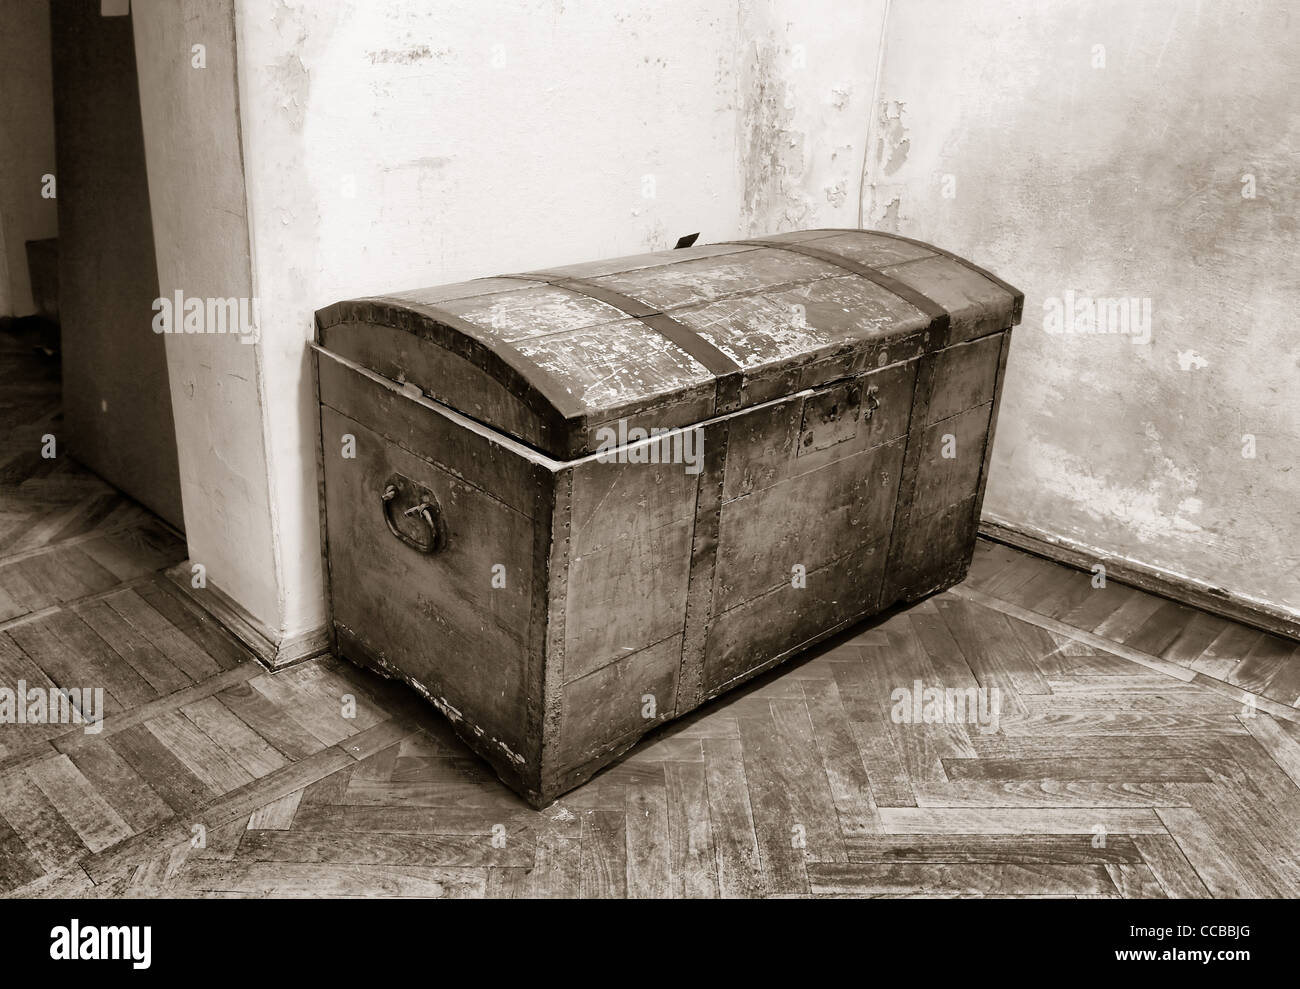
{"type": "Point", "coordinates": [1141, 748]}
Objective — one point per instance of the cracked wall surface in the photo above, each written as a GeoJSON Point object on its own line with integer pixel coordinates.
{"type": "Point", "coordinates": [1104, 150]}
{"type": "Point", "coordinates": [805, 74]}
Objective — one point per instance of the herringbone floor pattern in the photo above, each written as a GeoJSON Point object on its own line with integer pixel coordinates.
{"type": "Point", "coordinates": [1141, 749]}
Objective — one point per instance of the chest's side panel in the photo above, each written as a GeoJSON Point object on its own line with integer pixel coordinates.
{"type": "Point", "coordinates": [943, 477]}
{"type": "Point", "coordinates": [437, 547]}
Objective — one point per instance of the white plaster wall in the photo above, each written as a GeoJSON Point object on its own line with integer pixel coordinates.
{"type": "Point", "coordinates": [196, 192]}
{"type": "Point", "coordinates": [26, 144]}
{"type": "Point", "coordinates": [1122, 181]}
{"type": "Point", "coordinates": [391, 145]}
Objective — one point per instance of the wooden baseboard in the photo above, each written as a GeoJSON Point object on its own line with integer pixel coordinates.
{"type": "Point", "coordinates": [272, 649]}
{"type": "Point", "coordinates": [1176, 587]}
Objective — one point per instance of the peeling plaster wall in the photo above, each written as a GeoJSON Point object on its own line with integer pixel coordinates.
{"type": "Point", "coordinates": [1125, 181]}
{"type": "Point", "coordinates": [806, 75]}
{"type": "Point", "coordinates": [26, 145]}
{"type": "Point", "coordinates": [391, 145]}
{"type": "Point", "coordinates": [196, 192]}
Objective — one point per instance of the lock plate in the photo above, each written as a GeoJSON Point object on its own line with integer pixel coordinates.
{"type": "Point", "coordinates": [832, 414]}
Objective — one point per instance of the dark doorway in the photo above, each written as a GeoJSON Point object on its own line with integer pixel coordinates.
{"type": "Point", "coordinates": [117, 405]}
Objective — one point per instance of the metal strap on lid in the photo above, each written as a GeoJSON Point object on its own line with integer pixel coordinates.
{"type": "Point", "coordinates": [1017, 296]}
{"type": "Point", "coordinates": [939, 319]}
{"type": "Point", "coordinates": [727, 372]}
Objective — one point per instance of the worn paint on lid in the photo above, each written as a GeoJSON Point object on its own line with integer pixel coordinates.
{"type": "Point", "coordinates": [672, 338]}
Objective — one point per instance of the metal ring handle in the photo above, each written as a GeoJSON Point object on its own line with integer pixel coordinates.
{"type": "Point", "coordinates": [428, 538]}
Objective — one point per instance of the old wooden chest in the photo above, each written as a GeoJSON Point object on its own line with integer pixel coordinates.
{"type": "Point", "coordinates": [569, 505]}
